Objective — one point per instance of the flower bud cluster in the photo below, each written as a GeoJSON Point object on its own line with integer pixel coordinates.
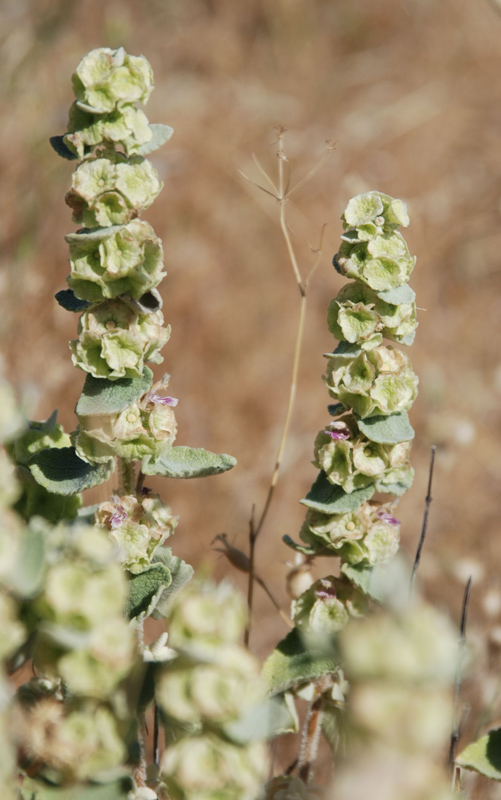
{"type": "Point", "coordinates": [211, 684]}
{"type": "Point", "coordinates": [401, 669]}
{"type": "Point", "coordinates": [350, 460]}
{"type": "Point", "coordinates": [116, 259]}
{"type": "Point", "coordinates": [371, 534]}
{"type": "Point", "coordinates": [137, 527]}
{"type": "Point", "coordinates": [137, 431]}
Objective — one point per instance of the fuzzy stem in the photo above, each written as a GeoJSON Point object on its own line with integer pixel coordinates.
{"type": "Point", "coordinates": [140, 768]}
{"type": "Point", "coordinates": [126, 477]}
{"type": "Point", "coordinates": [311, 732]}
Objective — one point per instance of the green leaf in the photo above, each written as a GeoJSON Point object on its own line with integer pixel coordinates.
{"type": "Point", "coordinates": [59, 146]}
{"type": "Point", "coordinates": [332, 726]}
{"type": "Point", "coordinates": [146, 589]}
{"type": "Point", "coordinates": [161, 134]}
{"type": "Point", "coordinates": [484, 756]}
{"type": "Point", "coordinates": [101, 396]}
{"type": "Point", "coordinates": [370, 580]}
{"type": "Point", "coordinates": [345, 349]}
{"type": "Point", "coordinates": [181, 573]}
{"type": "Point", "coordinates": [335, 409]}
{"type": "Point", "coordinates": [273, 717]}
{"type": "Point", "coordinates": [398, 295]}
{"type": "Point", "coordinates": [36, 790]}
{"type": "Point", "coordinates": [92, 234]}
{"type": "Point", "coordinates": [61, 471]}
{"type": "Point", "coordinates": [292, 663]}
{"type": "Point", "coordinates": [66, 298]}
{"type": "Point", "coordinates": [387, 430]}
{"type": "Point", "coordinates": [185, 462]}
{"type": "Point", "coordinates": [329, 499]}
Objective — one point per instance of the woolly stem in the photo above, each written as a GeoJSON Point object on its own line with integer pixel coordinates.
{"type": "Point", "coordinates": [126, 477]}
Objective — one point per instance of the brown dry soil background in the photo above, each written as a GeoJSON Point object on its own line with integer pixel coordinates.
{"type": "Point", "coordinates": [411, 93]}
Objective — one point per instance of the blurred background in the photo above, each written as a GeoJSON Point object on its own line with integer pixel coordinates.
{"type": "Point", "coordinates": [410, 92]}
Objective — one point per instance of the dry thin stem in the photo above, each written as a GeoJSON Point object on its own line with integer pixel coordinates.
{"type": "Point", "coordinates": [425, 521]}
{"type": "Point", "coordinates": [457, 684]}
{"type": "Point", "coordinates": [281, 196]}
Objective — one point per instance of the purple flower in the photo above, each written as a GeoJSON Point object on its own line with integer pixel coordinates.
{"type": "Point", "coordinates": [158, 400]}
{"type": "Point", "coordinates": [119, 515]}
{"type": "Point", "coordinates": [385, 516]}
{"type": "Point", "coordinates": [338, 434]}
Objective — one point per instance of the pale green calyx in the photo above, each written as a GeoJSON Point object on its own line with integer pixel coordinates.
{"type": "Point", "coordinates": [369, 535]}
{"type": "Point", "coordinates": [139, 430]}
{"type": "Point", "coordinates": [359, 315]}
{"type": "Point", "coordinates": [380, 381]}
{"type": "Point", "coordinates": [127, 126]}
{"type": "Point", "coordinates": [116, 339]}
{"type": "Point", "coordinates": [326, 607]}
{"type": "Point", "coordinates": [112, 190]}
{"type": "Point", "coordinates": [137, 528]}
{"type": "Point", "coordinates": [353, 462]}
{"type": "Point", "coordinates": [107, 79]}
{"type": "Point", "coordinates": [377, 209]}
{"type": "Point", "coordinates": [207, 767]}
{"type": "Point", "coordinates": [113, 261]}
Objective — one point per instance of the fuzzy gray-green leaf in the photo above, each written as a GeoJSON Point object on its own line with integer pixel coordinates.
{"type": "Point", "coordinates": [400, 294]}
{"type": "Point", "coordinates": [292, 663]}
{"type": "Point", "coordinates": [181, 573]}
{"type": "Point", "coordinates": [61, 471]}
{"type": "Point", "coordinates": [186, 462]}
{"type": "Point", "coordinates": [273, 717]}
{"type": "Point", "coordinates": [329, 499]}
{"type": "Point", "coordinates": [370, 580]}
{"type": "Point", "coordinates": [101, 396]}
{"type": "Point", "coordinates": [146, 588]}
{"type": "Point", "coordinates": [161, 134]}
{"type": "Point", "coordinates": [387, 429]}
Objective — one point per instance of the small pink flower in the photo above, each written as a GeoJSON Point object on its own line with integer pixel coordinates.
{"type": "Point", "coordinates": [385, 516]}
{"type": "Point", "coordinates": [119, 515]}
{"type": "Point", "coordinates": [338, 434]}
{"type": "Point", "coordinates": [158, 400]}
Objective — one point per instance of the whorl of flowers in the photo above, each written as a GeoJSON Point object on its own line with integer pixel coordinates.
{"type": "Point", "coordinates": [366, 447]}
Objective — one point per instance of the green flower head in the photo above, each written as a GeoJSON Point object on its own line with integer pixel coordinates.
{"type": "Point", "coordinates": [107, 263]}
{"type": "Point", "coordinates": [127, 126]}
{"type": "Point", "coordinates": [108, 79]}
{"type": "Point", "coordinates": [207, 767]}
{"type": "Point", "coordinates": [352, 461]}
{"type": "Point", "coordinates": [375, 210]}
{"type": "Point", "coordinates": [358, 315]}
{"type": "Point", "coordinates": [378, 382]}
{"type": "Point", "coordinates": [326, 607]}
{"type": "Point", "coordinates": [115, 339]}
{"type": "Point", "coordinates": [112, 191]}
{"type": "Point", "coordinates": [207, 616]}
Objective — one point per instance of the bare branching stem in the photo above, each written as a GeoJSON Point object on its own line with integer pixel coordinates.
{"type": "Point", "coordinates": [427, 504]}
{"type": "Point", "coordinates": [281, 196]}
{"type": "Point", "coordinates": [456, 714]}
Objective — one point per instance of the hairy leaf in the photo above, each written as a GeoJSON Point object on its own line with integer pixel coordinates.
{"type": "Point", "coordinates": [293, 662]}
{"type": "Point", "coordinates": [146, 588]}
{"type": "Point", "coordinates": [332, 726]}
{"type": "Point", "coordinates": [101, 396]}
{"type": "Point", "coordinates": [181, 573]}
{"type": "Point", "coordinates": [387, 430]}
{"type": "Point", "coordinates": [370, 580]}
{"type": "Point", "coordinates": [92, 234]}
{"type": "Point", "coordinates": [484, 756]}
{"type": "Point", "coordinates": [28, 573]}
{"type": "Point", "coordinates": [307, 550]}
{"type": "Point", "coordinates": [186, 462]}
{"type": "Point", "coordinates": [161, 134]}
{"type": "Point", "coordinates": [335, 409]}
{"type": "Point", "coordinates": [400, 294]}
{"type": "Point", "coordinates": [345, 349]}
{"type": "Point", "coordinates": [61, 471]}
{"type": "Point", "coordinates": [329, 499]}
{"type": "Point", "coordinates": [66, 298]}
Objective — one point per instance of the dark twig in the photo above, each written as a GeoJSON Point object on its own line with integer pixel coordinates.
{"type": "Point", "coordinates": [425, 521]}
{"type": "Point", "coordinates": [457, 683]}
{"type": "Point", "coordinates": [156, 736]}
